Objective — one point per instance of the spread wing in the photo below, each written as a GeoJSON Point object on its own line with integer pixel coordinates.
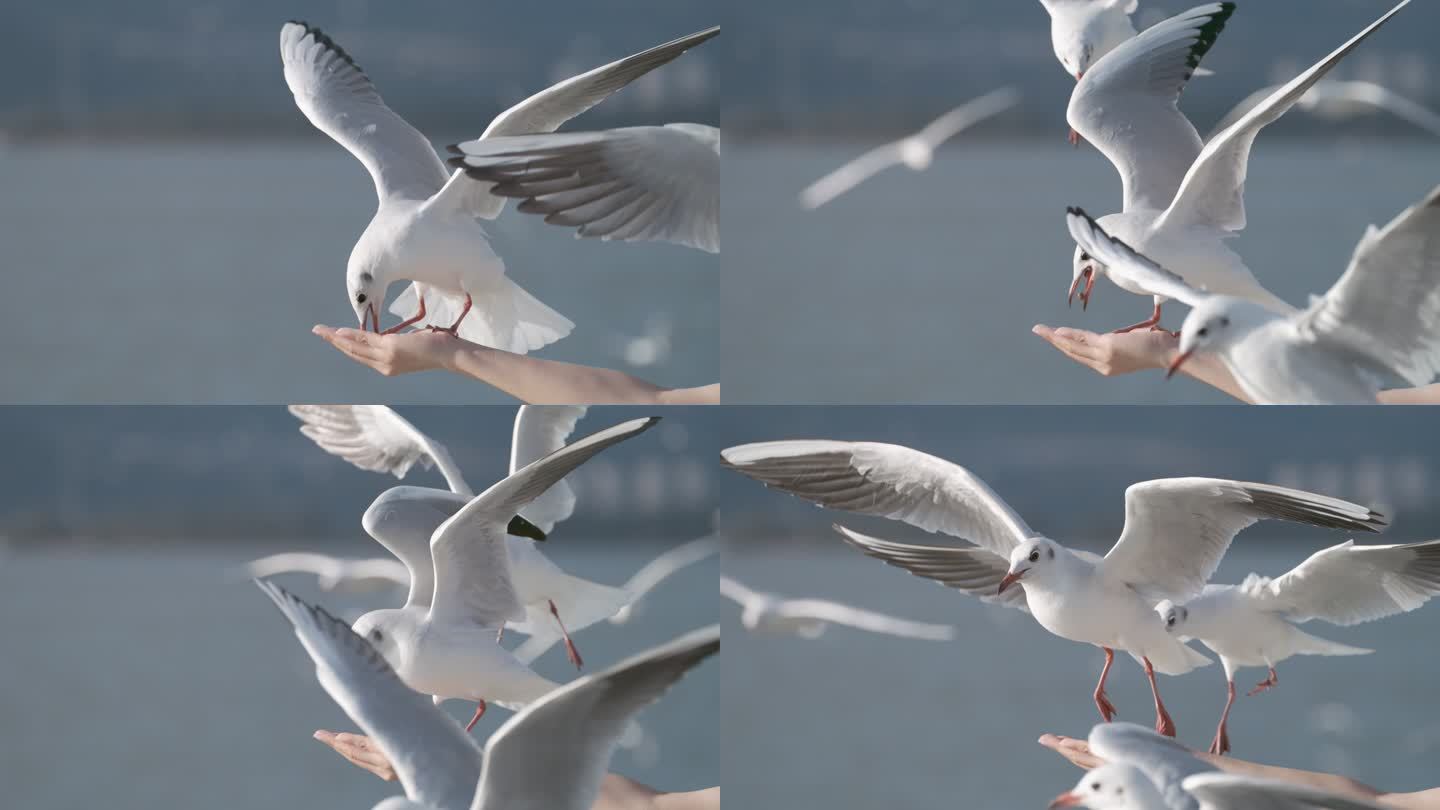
{"type": "Point", "coordinates": [1349, 584]}
{"type": "Point", "coordinates": [547, 110]}
{"type": "Point", "coordinates": [435, 760]}
{"type": "Point", "coordinates": [1226, 791]}
{"type": "Point", "coordinates": [886, 480]}
{"type": "Point", "coordinates": [1177, 529]}
{"type": "Point", "coordinates": [1212, 193]}
{"type": "Point", "coordinates": [1127, 104]}
{"type": "Point", "coordinates": [975, 571]}
{"type": "Point", "coordinates": [338, 98]}
{"type": "Point", "coordinates": [376, 438]}
{"type": "Point", "coordinates": [555, 752]}
{"type": "Point", "coordinates": [632, 184]}
{"type": "Point", "coordinates": [472, 565]}
{"type": "Point", "coordinates": [1387, 304]}
{"type": "Point", "coordinates": [835, 613]}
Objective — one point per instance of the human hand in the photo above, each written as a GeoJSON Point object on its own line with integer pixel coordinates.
{"type": "Point", "coordinates": [1111, 355]}
{"type": "Point", "coordinates": [1077, 751]}
{"type": "Point", "coordinates": [400, 353]}
{"type": "Point", "coordinates": [360, 751]}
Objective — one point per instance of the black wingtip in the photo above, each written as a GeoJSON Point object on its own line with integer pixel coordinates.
{"type": "Point", "coordinates": [520, 527]}
{"type": "Point", "coordinates": [325, 40]}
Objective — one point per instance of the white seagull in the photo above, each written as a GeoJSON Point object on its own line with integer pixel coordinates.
{"type": "Point", "coordinates": [631, 184]}
{"type": "Point", "coordinates": [334, 573]}
{"type": "Point", "coordinates": [1253, 624]}
{"type": "Point", "coordinates": [1176, 531]}
{"type": "Point", "coordinates": [445, 640]}
{"type": "Point", "coordinates": [1336, 99]}
{"type": "Point", "coordinates": [1143, 771]}
{"type": "Point", "coordinates": [374, 437]}
{"type": "Point", "coordinates": [1378, 322]}
{"type": "Point", "coordinates": [808, 618]}
{"type": "Point", "coordinates": [915, 151]}
{"type": "Point", "coordinates": [551, 755]}
{"type": "Point", "coordinates": [1082, 31]}
{"type": "Point", "coordinates": [1181, 201]}
{"type": "Point", "coordinates": [425, 229]}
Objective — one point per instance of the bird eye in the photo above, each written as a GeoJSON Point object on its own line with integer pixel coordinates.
{"type": "Point", "coordinates": [1203, 331]}
{"type": "Point", "coordinates": [1035, 555]}
{"type": "Point", "coordinates": [1095, 786]}
{"type": "Point", "coordinates": [360, 299]}
{"type": "Point", "coordinates": [377, 635]}
{"type": "Point", "coordinates": [1084, 257]}
{"type": "Point", "coordinates": [1170, 620]}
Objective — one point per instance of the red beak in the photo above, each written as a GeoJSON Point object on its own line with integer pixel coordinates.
{"type": "Point", "coordinates": [1177, 362]}
{"type": "Point", "coordinates": [1010, 579]}
{"type": "Point", "coordinates": [1064, 800]}
{"type": "Point", "coordinates": [1088, 276]}
{"type": "Point", "coordinates": [375, 314]}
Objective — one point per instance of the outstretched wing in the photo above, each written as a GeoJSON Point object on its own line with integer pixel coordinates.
{"type": "Point", "coordinates": [1349, 584]}
{"type": "Point", "coordinates": [376, 438]}
{"type": "Point", "coordinates": [338, 98]}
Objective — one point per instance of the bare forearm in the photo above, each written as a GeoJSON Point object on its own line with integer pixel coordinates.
{"type": "Point", "coordinates": [536, 380]}
{"type": "Point", "coordinates": [1424, 395]}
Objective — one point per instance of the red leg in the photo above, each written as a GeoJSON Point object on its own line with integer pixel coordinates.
{"type": "Point", "coordinates": [1221, 745]}
{"type": "Point", "coordinates": [1152, 321]}
{"type": "Point", "coordinates": [479, 713]}
{"type": "Point", "coordinates": [1265, 685]}
{"type": "Point", "coordinates": [1163, 723]}
{"type": "Point", "coordinates": [1107, 709]}
{"type": "Point", "coordinates": [1074, 139]}
{"type": "Point", "coordinates": [454, 328]}
{"type": "Point", "coordinates": [500, 634]}
{"type": "Point", "coordinates": [569, 645]}
{"type": "Point", "coordinates": [397, 327]}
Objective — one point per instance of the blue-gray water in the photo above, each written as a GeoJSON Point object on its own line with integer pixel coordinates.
{"type": "Point", "coordinates": [854, 720]}
{"type": "Point", "coordinates": [144, 680]}
{"type": "Point", "coordinates": [924, 287]}
{"type": "Point", "coordinates": [173, 272]}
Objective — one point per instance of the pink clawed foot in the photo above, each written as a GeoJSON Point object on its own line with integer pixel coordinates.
{"type": "Point", "coordinates": [420, 314]}
{"type": "Point", "coordinates": [479, 713]}
{"type": "Point", "coordinates": [453, 330]}
{"type": "Point", "coordinates": [1163, 724]}
{"type": "Point", "coordinates": [1102, 702]}
{"type": "Point", "coordinates": [570, 650]}
{"type": "Point", "coordinates": [1152, 322]}
{"type": "Point", "coordinates": [1221, 745]}
{"type": "Point", "coordinates": [1265, 685]}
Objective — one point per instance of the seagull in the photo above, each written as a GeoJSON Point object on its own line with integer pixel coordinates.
{"type": "Point", "coordinates": [808, 618]}
{"type": "Point", "coordinates": [1229, 791]}
{"type": "Point", "coordinates": [914, 151]}
{"type": "Point", "coordinates": [1142, 767]}
{"type": "Point", "coordinates": [553, 754]}
{"type": "Point", "coordinates": [425, 229]}
{"type": "Point", "coordinates": [1380, 321]}
{"type": "Point", "coordinates": [1253, 624]}
{"type": "Point", "coordinates": [445, 640]}
{"type": "Point", "coordinates": [1336, 99]}
{"type": "Point", "coordinates": [1082, 31]}
{"type": "Point", "coordinates": [1176, 530]}
{"type": "Point", "coordinates": [632, 184]}
{"type": "Point", "coordinates": [334, 573]}
{"type": "Point", "coordinates": [374, 437]}
{"type": "Point", "coordinates": [660, 569]}
{"type": "Point", "coordinates": [1181, 201]}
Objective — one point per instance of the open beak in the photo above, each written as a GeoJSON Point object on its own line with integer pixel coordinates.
{"type": "Point", "coordinates": [1010, 579]}
{"type": "Point", "coordinates": [1065, 800]}
{"type": "Point", "coordinates": [1177, 363]}
{"type": "Point", "coordinates": [1087, 275]}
